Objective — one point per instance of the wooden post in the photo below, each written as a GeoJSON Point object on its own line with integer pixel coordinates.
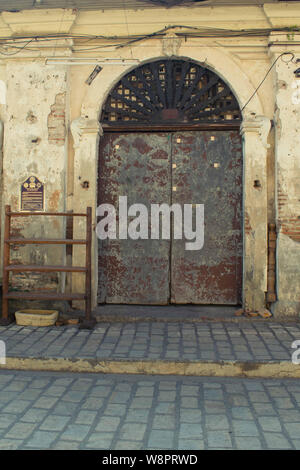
{"type": "Point", "coordinates": [89, 322]}
{"type": "Point", "coordinates": [271, 294]}
{"type": "Point", "coordinates": [88, 261]}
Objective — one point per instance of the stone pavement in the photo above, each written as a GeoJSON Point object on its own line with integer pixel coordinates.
{"type": "Point", "coordinates": [157, 340]}
{"type": "Point", "coordinates": [51, 410]}
{"type": "Point", "coordinates": [197, 393]}
{"type": "Point", "coordinates": [226, 348]}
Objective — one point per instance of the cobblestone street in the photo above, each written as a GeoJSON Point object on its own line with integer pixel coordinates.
{"type": "Point", "coordinates": [42, 410]}
{"type": "Point", "coordinates": [53, 408]}
{"type": "Point", "coordinates": [242, 341]}
{"type": "Point", "coordinates": [149, 230]}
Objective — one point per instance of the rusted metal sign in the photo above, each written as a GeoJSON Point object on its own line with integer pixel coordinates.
{"type": "Point", "coordinates": [32, 195]}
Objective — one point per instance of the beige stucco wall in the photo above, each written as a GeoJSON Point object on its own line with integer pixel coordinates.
{"type": "Point", "coordinates": [34, 145]}
{"type": "Point", "coordinates": [287, 145]}
{"type": "Point", "coordinates": [43, 100]}
{"type": "Point", "coordinates": [235, 72]}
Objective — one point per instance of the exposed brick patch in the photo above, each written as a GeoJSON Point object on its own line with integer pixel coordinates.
{"type": "Point", "coordinates": [33, 281]}
{"type": "Point", "coordinates": [16, 232]}
{"type": "Point", "coordinates": [56, 121]}
{"type": "Point", "coordinates": [291, 228]}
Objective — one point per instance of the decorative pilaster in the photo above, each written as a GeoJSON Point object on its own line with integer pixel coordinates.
{"type": "Point", "coordinates": [255, 132]}
{"type": "Point", "coordinates": [86, 134]}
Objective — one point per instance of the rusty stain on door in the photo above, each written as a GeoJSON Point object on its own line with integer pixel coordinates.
{"type": "Point", "coordinates": [209, 171]}
{"type": "Point", "coordinates": [205, 167]}
{"type": "Point", "coordinates": [136, 166]}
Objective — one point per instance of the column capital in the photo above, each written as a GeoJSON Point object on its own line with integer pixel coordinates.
{"type": "Point", "coordinates": [84, 126]}
{"type": "Point", "coordinates": [260, 125]}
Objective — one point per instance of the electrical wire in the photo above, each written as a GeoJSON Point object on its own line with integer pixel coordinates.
{"type": "Point", "coordinates": [115, 4]}
{"type": "Point", "coordinates": [205, 32]}
{"type": "Point", "coordinates": [124, 41]}
{"type": "Point", "coordinates": [256, 90]}
{"type": "Point", "coordinates": [18, 51]}
{"type": "Point", "coordinates": [127, 25]}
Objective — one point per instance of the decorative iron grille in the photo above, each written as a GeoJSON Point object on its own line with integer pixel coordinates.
{"type": "Point", "coordinates": [170, 91]}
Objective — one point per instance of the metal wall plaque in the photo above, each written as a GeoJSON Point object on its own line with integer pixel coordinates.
{"type": "Point", "coordinates": [32, 195]}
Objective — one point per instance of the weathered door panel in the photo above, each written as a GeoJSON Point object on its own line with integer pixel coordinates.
{"type": "Point", "coordinates": [136, 166]}
{"type": "Point", "coordinates": [209, 171]}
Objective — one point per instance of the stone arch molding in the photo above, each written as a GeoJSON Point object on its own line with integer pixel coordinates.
{"type": "Point", "coordinates": [219, 61]}
{"type": "Point", "coordinates": [86, 131]}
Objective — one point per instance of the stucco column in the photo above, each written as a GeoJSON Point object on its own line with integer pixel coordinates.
{"type": "Point", "coordinates": [255, 131]}
{"type": "Point", "coordinates": [287, 145]}
{"type": "Point", "coordinates": [85, 134]}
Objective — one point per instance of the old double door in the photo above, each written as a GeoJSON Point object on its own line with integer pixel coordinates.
{"type": "Point", "coordinates": [190, 167]}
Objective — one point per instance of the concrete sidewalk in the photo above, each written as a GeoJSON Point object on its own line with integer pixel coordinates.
{"type": "Point", "coordinates": [233, 348]}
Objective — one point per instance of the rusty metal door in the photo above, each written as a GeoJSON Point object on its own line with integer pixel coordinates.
{"type": "Point", "coordinates": [198, 167]}
{"type": "Point", "coordinates": [136, 166]}
{"type": "Point", "coordinates": [208, 170]}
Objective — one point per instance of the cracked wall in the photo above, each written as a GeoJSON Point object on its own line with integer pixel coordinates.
{"type": "Point", "coordinates": [40, 99]}
{"type": "Point", "coordinates": [287, 145]}
{"type": "Point", "coordinates": [34, 144]}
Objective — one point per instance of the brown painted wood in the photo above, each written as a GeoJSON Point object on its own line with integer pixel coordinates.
{"type": "Point", "coordinates": [56, 214]}
{"type": "Point", "coordinates": [88, 261]}
{"type": "Point", "coordinates": [50, 241]}
{"type": "Point", "coordinates": [46, 295]}
{"type": "Point", "coordinates": [45, 269]}
{"type": "Point", "coordinates": [272, 237]}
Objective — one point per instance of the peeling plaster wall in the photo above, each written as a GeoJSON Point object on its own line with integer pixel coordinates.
{"type": "Point", "coordinates": [287, 119]}
{"type": "Point", "coordinates": [41, 99]}
{"type": "Point", "coordinates": [235, 72]}
{"type": "Point", "coordinates": [35, 144]}
{"type": "Point", "coordinates": [2, 118]}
